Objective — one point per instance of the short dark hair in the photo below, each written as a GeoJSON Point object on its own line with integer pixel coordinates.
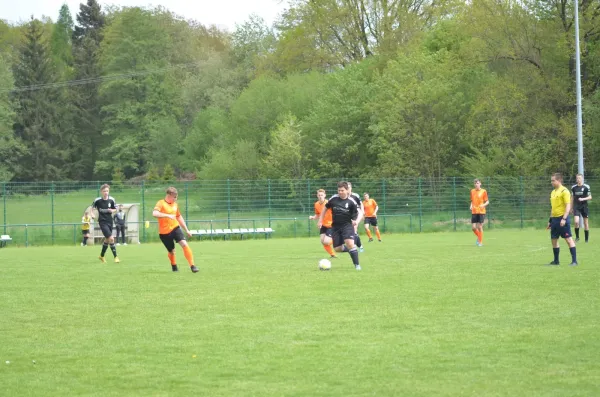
{"type": "Point", "coordinates": [343, 184]}
{"type": "Point", "coordinates": [171, 191]}
{"type": "Point", "coordinates": [105, 186]}
{"type": "Point", "coordinates": [557, 176]}
{"type": "Point", "coordinates": [477, 180]}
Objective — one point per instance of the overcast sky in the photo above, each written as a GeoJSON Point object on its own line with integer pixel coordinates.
{"type": "Point", "coordinates": [223, 13]}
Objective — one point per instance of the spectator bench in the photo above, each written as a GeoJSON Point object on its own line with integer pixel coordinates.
{"type": "Point", "coordinates": [5, 238]}
{"type": "Point", "coordinates": [232, 232]}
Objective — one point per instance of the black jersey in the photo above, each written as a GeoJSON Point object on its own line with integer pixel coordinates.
{"type": "Point", "coordinates": [103, 206]}
{"type": "Point", "coordinates": [358, 201]}
{"type": "Point", "coordinates": [343, 211]}
{"type": "Point", "coordinates": [582, 191]}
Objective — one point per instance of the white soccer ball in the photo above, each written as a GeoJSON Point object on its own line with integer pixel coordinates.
{"type": "Point", "coordinates": [324, 264]}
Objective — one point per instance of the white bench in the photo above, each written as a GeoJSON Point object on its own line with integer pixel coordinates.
{"type": "Point", "coordinates": [229, 232]}
{"type": "Point", "coordinates": [5, 238]}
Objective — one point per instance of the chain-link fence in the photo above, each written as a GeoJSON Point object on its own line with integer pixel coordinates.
{"type": "Point", "coordinates": [50, 212]}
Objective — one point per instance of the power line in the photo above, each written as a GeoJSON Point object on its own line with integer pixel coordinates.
{"type": "Point", "coordinates": [94, 80]}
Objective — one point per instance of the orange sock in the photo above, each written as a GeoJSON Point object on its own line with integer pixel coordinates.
{"type": "Point", "coordinates": [378, 234]}
{"type": "Point", "coordinates": [476, 232]}
{"type": "Point", "coordinates": [480, 236]}
{"type": "Point", "coordinates": [187, 251]}
{"type": "Point", "coordinates": [369, 233]}
{"type": "Point", "coordinates": [329, 250]}
{"type": "Point", "coordinates": [171, 256]}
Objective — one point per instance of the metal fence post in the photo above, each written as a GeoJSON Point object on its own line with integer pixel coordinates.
{"type": "Point", "coordinates": [489, 212]}
{"type": "Point", "coordinates": [4, 199]}
{"type": "Point", "coordinates": [26, 237]}
{"type": "Point", "coordinates": [143, 213]}
{"type": "Point", "coordinates": [454, 200]}
{"type": "Point", "coordinates": [229, 204]}
{"type": "Point", "coordinates": [384, 201]}
{"type": "Point", "coordinates": [522, 200]}
{"type": "Point", "coordinates": [269, 199]}
{"type": "Point", "coordinates": [52, 208]}
{"type": "Point", "coordinates": [420, 207]}
{"type": "Point", "coordinates": [308, 200]}
{"type": "Point", "coordinates": [186, 200]}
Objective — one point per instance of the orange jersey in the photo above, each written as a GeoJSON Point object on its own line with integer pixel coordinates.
{"type": "Point", "coordinates": [166, 225]}
{"type": "Point", "coordinates": [328, 219]}
{"type": "Point", "coordinates": [478, 197]}
{"type": "Point", "coordinates": [369, 206]}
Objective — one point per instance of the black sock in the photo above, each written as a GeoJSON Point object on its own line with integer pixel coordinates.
{"type": "Point", "coordinates": [113, 249]}
{"type": "Point", "coordinates": [104, 248]}
{"type": "Point", "coordinates": [357, 240]}
{"type": "Point", "coordinates": [354, 255]}
{"type": "Point", "coordinates": [587, 235]}
{"type": "Point", "coordinates": [344, 248]}
{"type": "Point", "coordinates": [85, 241]}
{"type": "Point", "coordinates": [556, 252]}
{"type": "Point", "coordinates": [573, 254]}
{"type": "Point", "coordinates": [576, 232]}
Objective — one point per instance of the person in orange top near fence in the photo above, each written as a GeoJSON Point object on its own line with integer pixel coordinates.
{"type": "Point", "coordinates": [371, 209]}
{"type": "Point", "coordinates": [325, 230]}
{"type": "Point", "coordinates": [170, 223]}
{"type": "Point", "coordinates": [479, 200]}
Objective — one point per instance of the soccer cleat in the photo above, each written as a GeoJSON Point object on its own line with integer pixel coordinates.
{"type": "Point", "coordinates": [576, 239]}
{"type": "Point", "coordinates": [573, 264]}
{"type": "Point", "coordinates": [174, 268]}
{"type": "Point", "coordinates": [371, 240]}
{"type": "Point", "coordinates": [124, 243]}
{"type": "Point", "coordinates": [357, 267]}
{"type": "Point", "coordinates": [117, 260]}
{"type": "Point", "coordinates": [333, 256]}
{"type": "Point", "coordinates": [102, 259]}
{"type": "Point", "coordinates": [118, 243]}
{"type": "Point", "coordinates": [194, 269]}
{"type": "Point", "coordinates": [553, 263]}
{"type": "Point", "coordinates": [379, 240]}
{"type": "Point", "coordinates": [361, 249]}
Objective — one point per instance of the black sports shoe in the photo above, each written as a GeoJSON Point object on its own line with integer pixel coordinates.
{"type": "Point", "coordinates": [553, 263]}
{"type": "Point", "coordinates": [174, 268]}
{"type": "Point", "coordinates": [573, 264]}
{"type": "Point", "coordinates": [194, 269]}
{"type": "Point", "coordinates": [370, 240]}
{"type": "Point", "coordinates": [577, 239]}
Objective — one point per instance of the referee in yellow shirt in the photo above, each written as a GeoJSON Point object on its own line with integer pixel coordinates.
{"type": "Point", "coordinates": [559, 224]}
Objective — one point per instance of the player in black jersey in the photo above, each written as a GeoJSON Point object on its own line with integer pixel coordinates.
{"type": "Point", "coordinates": [581, 195]}
{"type": "Point", "coordinates": [346, 216]}
{"type": "Point", "coordinates": [356, 198]}
{"type": "Point", "coordinates": [106, 206]}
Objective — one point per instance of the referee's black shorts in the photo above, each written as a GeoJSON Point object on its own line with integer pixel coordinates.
{"type": "Point", "coordinates": [556, 230]}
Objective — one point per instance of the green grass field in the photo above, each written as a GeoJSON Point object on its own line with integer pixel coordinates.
{"type": "Point", "coordinates": [429, 315]}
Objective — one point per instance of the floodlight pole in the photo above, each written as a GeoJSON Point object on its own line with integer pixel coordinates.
{"type": "Point", "coordinates": [578, 77]}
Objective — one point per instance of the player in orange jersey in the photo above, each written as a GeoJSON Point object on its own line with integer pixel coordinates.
{"type": "Point", "coordinates": [325, 230]}
{"type": "Point", "coordinates": [479, 200]}
{"type": "Point", "coordinates": [370, 207]}
{"type": "Point", "coordinates": [170, 223]}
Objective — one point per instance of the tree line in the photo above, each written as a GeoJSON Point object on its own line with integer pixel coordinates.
{"type": "Point", "coordinates": [353, 88]}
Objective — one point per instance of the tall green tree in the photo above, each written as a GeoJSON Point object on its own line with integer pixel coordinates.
{"type": "Point", "coordinates": [60, 43]}
{"type": "Point", "coordinates": [38, 121]}
{"type": "Point", "coordinates": [11, 149]}
{"type": "Point", "coordinates": [86, 39]}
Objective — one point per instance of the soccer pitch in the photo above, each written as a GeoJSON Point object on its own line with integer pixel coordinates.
{"type": "Point", "coordinates": [429, 315]}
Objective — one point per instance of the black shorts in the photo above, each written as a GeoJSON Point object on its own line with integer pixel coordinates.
{"type": "Point", "coordinates": [170, 239]}
{"type": "Point", "coordinates": [582, 212]}
{"type": "Point", "coordinates": [556, 230]}
{"type": "Point", "coordinates": [84, 232]}
{"type": "Point", "coordinates": [371, 220]}
{"type": "Point", "coordinates": [106, 229]}
{"type": "Point", "coordinates": [478, 218]}
{"type": "Point", "coordinates": [326, 231]}
{"type": "Point", "coordinates": [341, 233]}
